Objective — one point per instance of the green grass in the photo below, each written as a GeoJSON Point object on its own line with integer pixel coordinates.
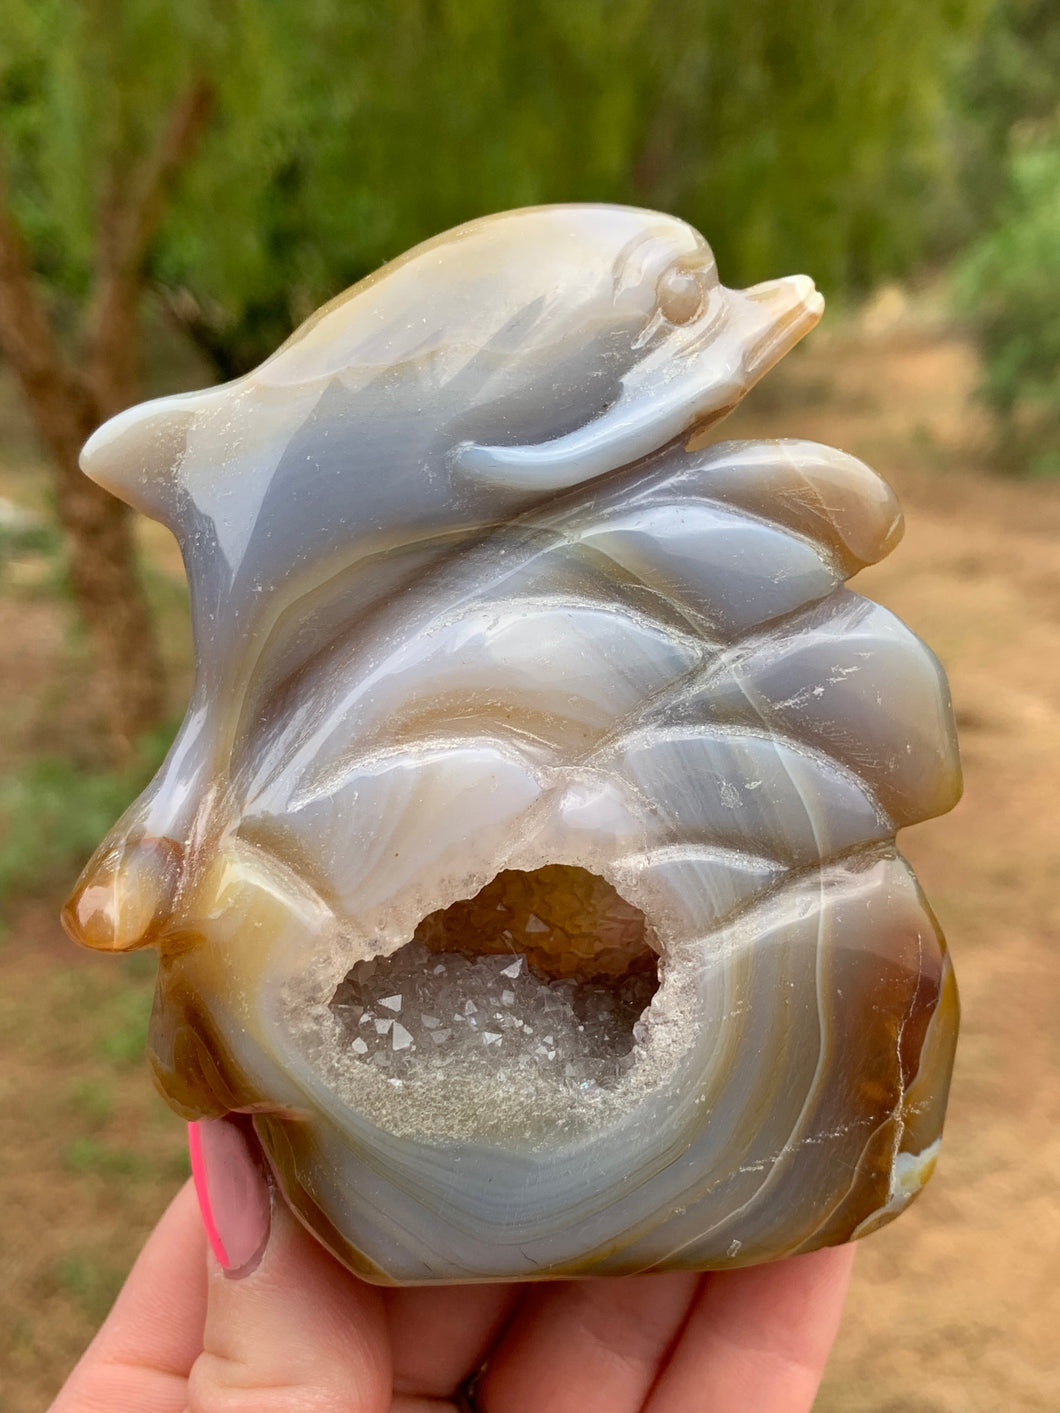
{"type": "Point", "coordinates": [93, 1282]}
{"type": "Point", "coordinates": [31, 538]}
{"type": "Point", "coordinates": [54, 811]}
{"type": "Point", "coordinates": [92, 1098]}
{"type": "Point", "coordinates": [122, 1037]}
{"type": "Point", "coordinates": [92, 1155]}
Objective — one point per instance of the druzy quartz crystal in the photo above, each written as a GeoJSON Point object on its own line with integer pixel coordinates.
{"type": "Point", "coordinates": [525, 865]}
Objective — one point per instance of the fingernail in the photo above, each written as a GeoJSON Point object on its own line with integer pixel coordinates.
{"type": "Point", "coordinates": [233, 1192]}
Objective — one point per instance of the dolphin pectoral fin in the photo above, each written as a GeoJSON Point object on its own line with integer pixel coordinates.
{"type": "Point", "coordinates": [637, 424]}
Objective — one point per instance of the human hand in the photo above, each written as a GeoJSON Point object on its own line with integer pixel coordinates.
{"type": "Point", "coordinates": [296, 1333]}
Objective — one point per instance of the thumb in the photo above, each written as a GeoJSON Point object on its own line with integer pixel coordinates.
{"type": "Point", "coordinates": [287, 1328]}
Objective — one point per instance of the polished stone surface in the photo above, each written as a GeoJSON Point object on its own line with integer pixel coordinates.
{"type": "Point", "coordinates": [500, 664]}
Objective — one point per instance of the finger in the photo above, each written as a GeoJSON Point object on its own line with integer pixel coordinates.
{"type": "Point", "coordinates": [579, 1346]}
{"type": "Point", "coordinates": [295, 1332]}
{"type": "Point", "coordinates": [139, 1360]}
{"type": "Point", "coordinates": [441, 1336]}
{"type": "Point", "coordinates": [757, 1338]}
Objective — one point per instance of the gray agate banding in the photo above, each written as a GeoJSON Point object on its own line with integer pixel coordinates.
{"type": "Point", "coordinates": [472, 620]}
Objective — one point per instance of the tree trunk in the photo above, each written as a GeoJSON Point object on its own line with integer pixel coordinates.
{"type": "Point", "coordinates": [103, 572]}
{"type": "Point", "coordinates": [106, 581]}
{"type": "Point", "coordinates": [68, 406]}
{"type": "Point", "coordinates": [127, 669]}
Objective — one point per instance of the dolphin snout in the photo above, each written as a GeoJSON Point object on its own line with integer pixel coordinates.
{"type": "Point", "coordinates": [784, 311]}
{"type": "Point", "coordinates": [791, 291]}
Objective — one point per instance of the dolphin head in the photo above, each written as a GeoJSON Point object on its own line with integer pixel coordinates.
{"type": "Point", "coordinates": [526, 351]}
{"type": "Point", "coordinates": [644, 325]}
{"type": "Point", "coordinates": [548, 346]}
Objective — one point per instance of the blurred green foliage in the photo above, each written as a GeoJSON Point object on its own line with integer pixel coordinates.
{"type": "Point", "coordinates": [852, 141]}
{"type": "Point", "coordinates": [815, 138]}
{"type": "Point", "coordinates": [1009, 288]}
{"type": "Point", "coordinates": [1008, 280]}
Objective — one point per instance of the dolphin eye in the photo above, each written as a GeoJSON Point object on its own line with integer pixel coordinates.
{"type": "Point", "coordinates": [680, 295]}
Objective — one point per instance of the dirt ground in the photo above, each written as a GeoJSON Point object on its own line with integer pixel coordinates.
{"type": "Point", "coordinates": [953, 1308]}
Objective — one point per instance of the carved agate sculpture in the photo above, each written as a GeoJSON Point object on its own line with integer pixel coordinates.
{"type": "Point", "coordinates": [525, 864]}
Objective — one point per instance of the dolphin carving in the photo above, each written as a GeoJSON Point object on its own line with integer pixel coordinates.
{"type": "Point", "coordinates": [475, 609]}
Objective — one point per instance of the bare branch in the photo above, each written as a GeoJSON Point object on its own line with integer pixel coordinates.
{"type": "Point", "coordinates": [101, 558]}
{"type": "Point", "coordinates": [61, 403]}
{"type": "Point", "coordinates": [133, 208]}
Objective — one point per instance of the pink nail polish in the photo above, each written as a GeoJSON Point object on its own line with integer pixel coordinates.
{"type": "Point", "coordinates": [233, 1193]}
